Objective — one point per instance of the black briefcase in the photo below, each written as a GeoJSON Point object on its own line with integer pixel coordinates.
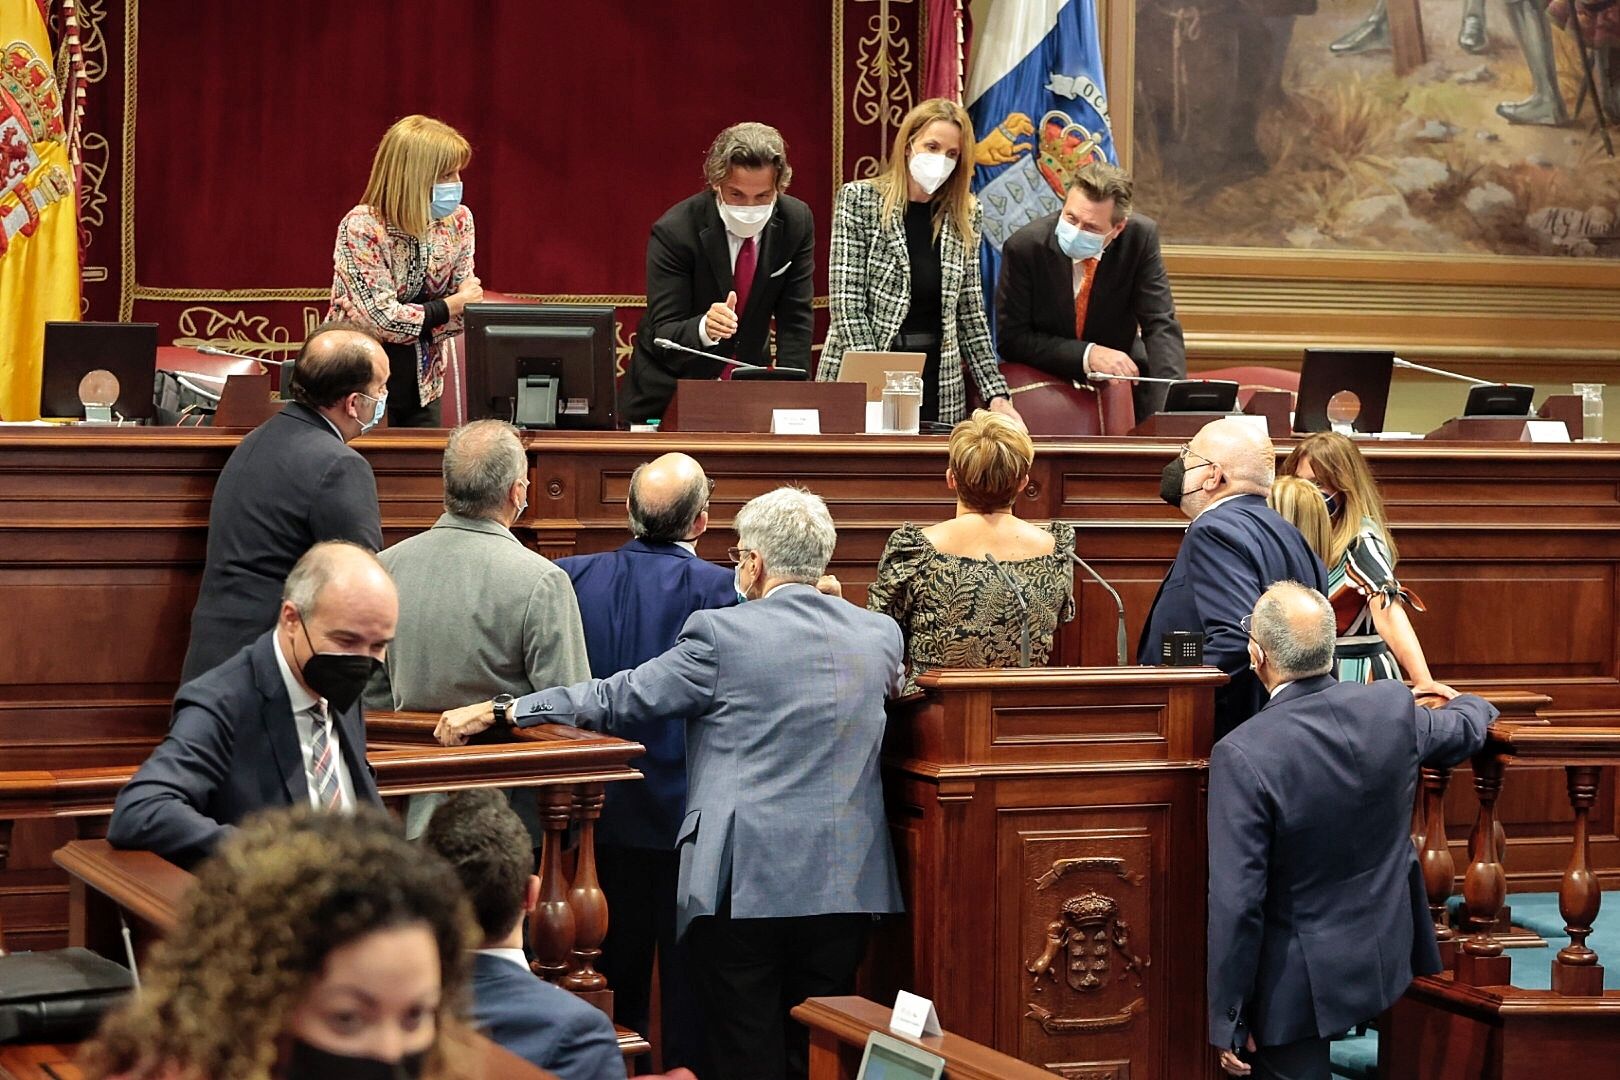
{"type": "Point", "coordinates": [57, 996]}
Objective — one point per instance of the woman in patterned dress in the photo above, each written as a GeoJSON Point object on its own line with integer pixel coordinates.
{"type": "Point", "coordinates": [1376, 639]}
{"type": "Point", "coordinates": [403, 263]}
{"type": "Point", "coordinates": [953, 606]}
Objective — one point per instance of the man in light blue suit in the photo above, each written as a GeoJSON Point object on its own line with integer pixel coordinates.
{"type": "Point", "coordinates": [784, 850]}
{"type": "Point", "coordinates": [633, 602]}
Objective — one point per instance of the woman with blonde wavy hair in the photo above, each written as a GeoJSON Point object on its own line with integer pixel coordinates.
{"type": "Point", "coordinates": [954, 606]}
{"type": "Point", "coordinates": [1301, 505]}
{"type": "Point", "coordinates": [312, 946]}
{"type": "Point", "coordinates": [403, 262]}
{"type": "Point", "coordinates": [1376, 639]}
{"type": "Point", "coordinates": [904, 270]}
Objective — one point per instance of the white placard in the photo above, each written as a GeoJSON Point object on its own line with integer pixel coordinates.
{"type": "Point", "coordinates": [1545, 431]}
{"type": "Point", "coordinates": [913, 1016]}
{"type": "Point", "coordinates": [1259, 423]}
{"type": "Point", "coordinates": [874, 417]}
{"type": "Point", "coordinates": [795, 421]}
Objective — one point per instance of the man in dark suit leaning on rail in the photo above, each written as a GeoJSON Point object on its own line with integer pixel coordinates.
{"type": "Point", "coordinates": [1318, 917]}
{"type": "Point", "coordinates": [292, 482]}
{"type": "Point", "coordinates": [277, 724]}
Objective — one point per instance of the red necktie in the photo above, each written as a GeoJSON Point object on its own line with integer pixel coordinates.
{"type": "Point", "coordinates": [742, 282]}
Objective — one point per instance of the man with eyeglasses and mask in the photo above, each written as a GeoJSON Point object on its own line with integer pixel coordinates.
{"type": "Point", "coordinates": [720, 266]}
{"type": "Point", "coordinates": [1234, 550]}
{"type": "Point", "coordinates": [277, 724]}
{"type": "Point", "coordinates": [292, 482]}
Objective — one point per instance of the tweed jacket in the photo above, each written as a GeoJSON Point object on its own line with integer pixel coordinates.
{"type": "Point", "coordinates": [869, 275]}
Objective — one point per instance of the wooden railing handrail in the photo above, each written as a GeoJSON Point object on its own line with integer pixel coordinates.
{"type": "Point", "coordinates": [845, 1022]}
{"type": "Point", "coordinates": [1554, 744]}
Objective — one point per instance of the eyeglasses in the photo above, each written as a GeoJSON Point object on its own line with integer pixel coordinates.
{"type": "Point", "coordinates": [1187, 452]}
{"type": "Point", "coordinates": [736, 554]}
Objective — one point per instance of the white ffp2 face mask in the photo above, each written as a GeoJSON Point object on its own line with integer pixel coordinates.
{"type": "Point", "coordinates": [745, 221]}
{"type": "Point", "coordinates": [931, 170]}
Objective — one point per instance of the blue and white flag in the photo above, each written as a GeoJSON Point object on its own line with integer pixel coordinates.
{"type": "Point", "coordinates": [1040, 112]}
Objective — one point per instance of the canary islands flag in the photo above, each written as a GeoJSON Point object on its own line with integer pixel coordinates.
{"type": "Point", "coordinates": [1040, 111]}
{"type": "Point", "coordinates": [39, 225]}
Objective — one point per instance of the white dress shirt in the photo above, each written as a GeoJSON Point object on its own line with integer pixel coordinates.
{"type": "Point", "coordinates": [513, 955]}
{"type": "Point", "coordinates": [306, 708]}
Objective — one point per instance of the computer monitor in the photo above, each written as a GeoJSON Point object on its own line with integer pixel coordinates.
{"type": "Point", "coordinates": [1503, 399]}
{"type": "Point", "coordinates": [1363, 375]}
{"type": "Point", "coordinates": [1201, 396]}
{"type": "Point", "coordinates": [541, 365]}
{"type": "Point", "coordinates": [887, 1058]}
{"type": "Point", "coordinates": [75, 349]}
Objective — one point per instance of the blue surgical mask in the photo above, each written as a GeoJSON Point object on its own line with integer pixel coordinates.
{"type": "Point", "coordinates": [736, 583]}
{"type": "Point", "coordinates": [446, 197]}
{"type": "Point", "coordinates": [1076, 242]}
{"type": "Point", "coordinates": [376, 414]}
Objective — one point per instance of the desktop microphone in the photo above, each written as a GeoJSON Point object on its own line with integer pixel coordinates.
{"type": "Point", "coordinates": [1023, 606]}
{"type": "Point", "coordinates": [1441, 372]}
{"type": "Point", "coordinates": [209, 350]}
{"type": "Point", "coordinates": [665, 343]}
{"type": "Point", "coordinates": [1119, 607]}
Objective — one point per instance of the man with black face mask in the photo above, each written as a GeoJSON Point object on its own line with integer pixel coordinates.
{"type": "Point", "coordinates": [1234, 550]}
{"type": "Point", "coordinates": [277, 724]}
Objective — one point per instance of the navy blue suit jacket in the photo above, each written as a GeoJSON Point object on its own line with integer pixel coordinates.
{"type": "Point", "coordinates": [1230, 555]}
{"type": "Point", "coordinates": [542, 1023]}
{"type": "Point", "coordinates": [1318, 918]}
{"type": "Point", "coordinates": [633, 603]}
{"type": "Point", "coordinates": [232, 748]}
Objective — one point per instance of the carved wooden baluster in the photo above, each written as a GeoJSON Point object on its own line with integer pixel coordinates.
{"type": "Point", "coordinates": [5, 855]}
{"type": "Point", "coordinates": [1575, 971]}
{"type": "Point", "coordinates": [587, 899]}
{"type": "Point", "coordinates": [551, 927]}
{"type": "Point", "coordinates": [1439, 869]}
{"type": "Point", "coordinates": [1480, 961]}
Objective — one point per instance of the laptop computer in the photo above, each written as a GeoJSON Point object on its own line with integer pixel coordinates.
{"type": "Point", "coordinates": [1362, 375]}
{"type": "Point", "coordinates": [75, 349]}
{"type": "Point", "coordinates": [869, 368]}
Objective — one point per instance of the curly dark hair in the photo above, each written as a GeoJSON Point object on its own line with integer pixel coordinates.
{"type": "Point", "coordinates": [254, 934]}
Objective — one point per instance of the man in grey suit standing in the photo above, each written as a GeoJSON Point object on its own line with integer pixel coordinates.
{"type": "Point", "coordinates": [1318, 918]}
{"type": "Point", "coordinates": [290, 484]}
{"type": "Point", "coordinates": [479, 613]}
{"type": "Point", "coordinates": [784, 849]}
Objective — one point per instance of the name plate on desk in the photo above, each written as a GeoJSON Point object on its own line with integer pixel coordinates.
{"type": "Point", "coordinates": [795, 422]}
{"type": "Point", "coordinates": [1545, 431]}
{"type": "Point", "coordinates": [914, 1016]}
{"type": "Point", "coordinates": [748, 407]}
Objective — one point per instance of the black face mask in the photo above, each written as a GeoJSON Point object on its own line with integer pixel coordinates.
{"type": "Point", "coordinates": [306, 1062]}
{"type": "Point", "coordinates": [1170, 481]}
{"type": "Point", "coordinates": [340, 678]}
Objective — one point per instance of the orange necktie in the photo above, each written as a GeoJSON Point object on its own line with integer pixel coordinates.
{"type": "Point", "coordinates": [1088, 273]}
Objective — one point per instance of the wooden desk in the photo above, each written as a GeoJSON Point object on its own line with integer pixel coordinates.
{"type": "Point", "coordinates": [839, 1027]}
{"type": "Point", "coordinates": [1515, 548]}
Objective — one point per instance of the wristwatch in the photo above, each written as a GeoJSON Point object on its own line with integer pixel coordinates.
{"type": "Point", "coordinates": [503, 708]}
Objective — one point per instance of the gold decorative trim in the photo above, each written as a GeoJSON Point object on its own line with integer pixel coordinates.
{"type": "Point", "coordinates": [148, 292]}
{"type": "Point", "coordinates": [837, 95]}
{"type": "Point", "coordinates": [1294, 296]}
{"type": "Point", "coordinates": [126, 224]}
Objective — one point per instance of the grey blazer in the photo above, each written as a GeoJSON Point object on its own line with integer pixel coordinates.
{"type": "Point", "coordinates": [479, 614]}
{"type": "Point", "coordinates": [869, 280]}
{"type": "Point", "coordinates": [785, 697]}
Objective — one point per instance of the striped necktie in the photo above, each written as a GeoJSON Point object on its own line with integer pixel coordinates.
{"type": "Point", "coordinates": [323, 758]}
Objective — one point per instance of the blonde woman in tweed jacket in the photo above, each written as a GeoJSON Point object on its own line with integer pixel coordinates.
{"type": "Point", "coordinates": [904, 271]}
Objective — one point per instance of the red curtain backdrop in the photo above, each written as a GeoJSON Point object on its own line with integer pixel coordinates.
{"type": "Point", "coordinates": [251, 129]}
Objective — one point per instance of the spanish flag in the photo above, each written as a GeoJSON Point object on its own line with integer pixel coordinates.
{"type": "Point", "coordinates": [39, 223]}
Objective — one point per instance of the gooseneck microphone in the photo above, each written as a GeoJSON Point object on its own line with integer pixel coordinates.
{"type": "Point", "coordinates": [1443, 373]}
{"type": "Point", "coordinates": [1023, 606]}
{"type": "Point", "coordinates": [210, 350]}
{"type": "Point", "coordinates": [1119, 607]}
{"type": "Point", "coordinates": [665, 343]}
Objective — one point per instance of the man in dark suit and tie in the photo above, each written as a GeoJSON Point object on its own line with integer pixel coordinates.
{"type": "Point", "coordinates": [277, 724]}
{"type": "Point", "coordinates": [291, 483]}
{"type": "Point", "coordinates": [1318, 917]}
{"type": "Point", "coordinates": [1078, 286]}
{"type": "Point", "coordinates": [720, 265]}
{"type": "Point", "coordinates": [478, 833]}
{"type": "Point", "coordinates": [1235, 548]}
{"type": "Point", "coordinates": [633, 602]}
{"type": "Point", "coordinates": [784, 850]}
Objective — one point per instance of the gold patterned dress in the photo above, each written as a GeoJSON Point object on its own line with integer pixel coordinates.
{"type": "Point", "coordinates": [956, 611]}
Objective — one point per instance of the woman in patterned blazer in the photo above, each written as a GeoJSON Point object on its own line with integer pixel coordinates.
{"type": "Point", "coordinates": [905, 265]}
{"type": "Point", "coordinates": [403, 262]}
